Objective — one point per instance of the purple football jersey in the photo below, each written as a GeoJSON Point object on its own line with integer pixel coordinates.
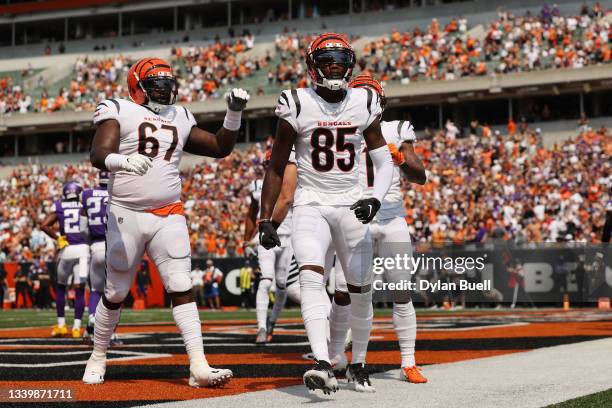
{"type": "Point", "coordinates": [69, 213]}
{"type": "Point", "coordinates": [95, 201]}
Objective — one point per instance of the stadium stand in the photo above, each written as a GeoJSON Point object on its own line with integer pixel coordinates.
{"type": "Point", "coordinates": [511, 43]}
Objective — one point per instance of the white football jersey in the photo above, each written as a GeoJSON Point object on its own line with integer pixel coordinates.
{"type": "Point", "coordinates": [255, 188]}
{"type": "Point", "coordinates": [328, 143]}
{"type": "Point", "coordinates": [159, 136]}
{"type": "Point", "coordinates": [396, 132]}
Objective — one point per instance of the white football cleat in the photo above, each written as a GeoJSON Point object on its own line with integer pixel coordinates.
{"type": "Point", "coordinates": [94, 371]}
{"type": "Point", "coordinates": [358, 374]}
{"type": "Point", "coordinates": [321, 377]}
{"type": "Point", "coordinates": [204, 375]}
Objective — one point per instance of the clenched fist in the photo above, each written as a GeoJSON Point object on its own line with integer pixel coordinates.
{"type": "Point", "coordinates": [237, 99]}
{"type": "Point", "coordinates": [138, 164]}
{"type": "Point", "coordinates": [366, 209]}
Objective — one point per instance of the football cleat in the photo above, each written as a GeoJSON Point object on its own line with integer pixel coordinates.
{"type": "Point", "coordinates": [321, 377]}
{"type": "Point", "coordinates": [339, 363]}
{"type": "Point", "coordinates": [76, 333]}
{"type": "Point", "coordinates": [262, 336]}
{"type": "Point", "coordinates": [358, 374]}
{"type": "Point", "coordinates": [203, 375]}
{"type": "Point", "coordinates": [59, 331]}
{"type": "Point", "coordinates": [412, 375]}
{"type": "Point", "coordinates": [94, 371]}
{"type": "Point", "coordinates": [269, 329]}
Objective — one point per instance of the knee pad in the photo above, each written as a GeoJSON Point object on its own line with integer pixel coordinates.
{"type": "Point", "coordinates": [115, 294]}
{"type": "Point", "coordinates": [281, 284]}
{"type": "Point", "coordinates": [264, 285]}
{"type": "Point", "coordinates": [177, 273]}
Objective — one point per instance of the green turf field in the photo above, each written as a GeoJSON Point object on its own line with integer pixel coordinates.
{"type": "Point", "coordinates": [597, 400]}
{"type": "Point", "coordinates": [36, 318]}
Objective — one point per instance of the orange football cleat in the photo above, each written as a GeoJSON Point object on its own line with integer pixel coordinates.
{"type": "Point", "coordinates": [413, 375]}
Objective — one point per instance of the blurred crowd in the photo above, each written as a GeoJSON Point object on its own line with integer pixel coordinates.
{"type": "Point", "coordinates": [204, 71]}
{"type": "Point", "coordinates": [481, 185]}
{"type": "Point", "coordinates": [510, 43]}
{"type": "Point", "coordinates": [489, 185]}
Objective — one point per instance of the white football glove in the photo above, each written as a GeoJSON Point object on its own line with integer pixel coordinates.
{"type": "Point", "coordinates": [137, 164]}
{"type": "Point", "coordinates": [237, 99]}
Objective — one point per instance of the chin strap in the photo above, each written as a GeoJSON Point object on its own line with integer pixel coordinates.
{"type": "Point", "coordinates": [333, 84]}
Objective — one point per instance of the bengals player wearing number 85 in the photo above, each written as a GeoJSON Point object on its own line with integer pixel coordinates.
{"type": "Point", "coordinates": [327, 124]}
{"type": "Point", "coordinates": [140, 142]}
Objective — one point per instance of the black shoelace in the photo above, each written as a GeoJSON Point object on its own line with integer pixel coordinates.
{"type": "Point", "coordinates": [323, 366]}
{"type": "Point", "coordinates": [360, 373]}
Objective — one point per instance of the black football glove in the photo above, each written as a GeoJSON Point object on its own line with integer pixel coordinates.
{"type": "Point", "coordinates": [237, 99]}
{"type": "Point", "coordinates": [366, 209]}
{"type": "Point", "coordinates": [268, 238]}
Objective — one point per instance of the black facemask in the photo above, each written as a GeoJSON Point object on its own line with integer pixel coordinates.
{"type": "Point", "coordinates": [324, 58]}
{"type": "Point", "coordinates": [161, 90]}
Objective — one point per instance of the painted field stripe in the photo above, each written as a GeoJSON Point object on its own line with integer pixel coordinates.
{"type": "Point", "coordinates": [135, 356]}
{"type": "Point", "coordinates": [154, 390]}
{"type": "Point", "coordinates": [532, 379]}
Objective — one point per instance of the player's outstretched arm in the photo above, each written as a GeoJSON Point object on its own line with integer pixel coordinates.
{"type": "Point", "coordinates": [412, 167]}
{"type": "Point", "coordinates": [47, 225]}
{"type": "Point", "coordinates": [273, 181]}
{"type": "Point", "coordinates": [285, 199]}
{"type": "Point", "coordinates": [222, 143]}
{"type": "Point", "coordinates": [366, 209]}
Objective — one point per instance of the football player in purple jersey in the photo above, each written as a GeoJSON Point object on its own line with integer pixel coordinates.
{"type": "Point", "coordinates": [73, 255]}
{"type": "Point", "coordinates": [94, 202]}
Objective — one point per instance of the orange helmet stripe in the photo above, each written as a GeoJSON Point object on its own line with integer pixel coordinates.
{"type": "Point", "coordinates": [328, 36]}
{"type": "Point", "coordinates": [139, 64]}
{"type": "Point", "coordinates": [366, 80]}
{"type": "Point", "coordinates": [146, 65]}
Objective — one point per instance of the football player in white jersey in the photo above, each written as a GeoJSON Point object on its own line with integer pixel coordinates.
{"type": "Point", "coordinates": [140, 142]}
{"type": "Point", "coordinates": [390, 236]}
{"type": "Point", "coordinates": [327, 124]}
{"type": "Point", "coordinates": [274, 263]}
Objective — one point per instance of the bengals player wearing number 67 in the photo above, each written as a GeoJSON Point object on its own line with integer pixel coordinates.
{"type": "Point", "coordinates": [140, 142]}
{"type": "Point", "coordinates": [327, 124]}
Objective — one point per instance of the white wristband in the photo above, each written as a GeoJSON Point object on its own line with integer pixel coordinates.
{"type": "Point", "coordinates": [232, 119]}
{"type": "Point", "coordinates": [115, 162]}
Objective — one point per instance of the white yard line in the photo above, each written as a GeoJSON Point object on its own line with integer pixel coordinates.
{"type": "Point", "coordinates": [530, 379]}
